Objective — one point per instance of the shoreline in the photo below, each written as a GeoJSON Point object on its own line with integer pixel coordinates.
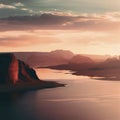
{"type": "Point", "coordinates": [112, 74]}
{"type": "Point", "coordinates": [24, 87]}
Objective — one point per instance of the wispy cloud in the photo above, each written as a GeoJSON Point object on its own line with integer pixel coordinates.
{"type": "Point", "coordinates": [5, 6]}
{"type": "Point", "coordinates": [85, 33]}
{"type": "Point", "coordinates": [9, 39]}
{"type": "Point", "coordinates": [18, 4]}
{"type": "Point", "coordinates": [108, 21]}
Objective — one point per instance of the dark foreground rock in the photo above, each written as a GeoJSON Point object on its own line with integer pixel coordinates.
{"type": "Point", "coordinates": [15, 75]}
{"type": "Point", "coordinates": [29, 86]}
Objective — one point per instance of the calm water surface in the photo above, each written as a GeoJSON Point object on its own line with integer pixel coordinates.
{"type": "Point", "coordinates": [83, 98]}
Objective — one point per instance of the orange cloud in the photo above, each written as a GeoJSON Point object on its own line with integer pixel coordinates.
{"type": "Point", "coordinates": [26, 40]}
{"type": "Point", "coordinates": [85, 33]}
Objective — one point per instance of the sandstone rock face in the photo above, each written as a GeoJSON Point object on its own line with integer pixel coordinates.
{"type": "Point", "coordinates": [13, 71]}
{"type": "Point", "coordinates": [26, 73]}
{"type": "Point", "coordinates": [8, 68]}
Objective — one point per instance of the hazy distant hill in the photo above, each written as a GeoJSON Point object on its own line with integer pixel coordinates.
{"type": "Point", "coordinates": [57, 57]}
{"type": "Point", "coordinates": [105, 70]}
{"type": "Point", "coordinates": [79, 59]}
{"type": "Point", "coordinates": [110, 63]}
{"type": "Point", "coordinates": [41, 59]}
{"type": "Point", "coordinates": [97, 58]}
{"type": "Point", "coordinates": [77, 62]}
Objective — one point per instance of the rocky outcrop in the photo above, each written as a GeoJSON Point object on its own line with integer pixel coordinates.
{"type": "Point", "coordinates": [26, 74]}
{"type": "Point", "coordinates": [44, 59]}
{"type": "Point", "coordinates": [13, 71]}
{"type": "Point", "coordinates": [8, 69]}
{"type": "Point", "coordinates": [17, 75]}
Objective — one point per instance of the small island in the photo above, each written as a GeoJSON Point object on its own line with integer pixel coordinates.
{"type": "Point", "coordinates": [17, 76]}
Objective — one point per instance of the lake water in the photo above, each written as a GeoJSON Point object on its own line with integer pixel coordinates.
{"type": "Point", "coordinates": [82, 98]}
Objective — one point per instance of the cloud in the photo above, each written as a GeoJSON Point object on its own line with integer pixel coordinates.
{"type": "Point", "coordinates": [76, 6]}
{"type": "Point", "coordinates": [75, 100]}
{"type": "Point", "coordinates": [18, 4]}
{"type": "Point", "coordinates": [85, 33]}
{"type": "Point", "coordinates": [103, 22]}
{"type": "Point", "coordinates": [14, 9]}
{"type": "Point", "coordinates": [95, 42]}
{"type": "Point", "coordinates": [27, 10]}
{"type": "Point", "coordinates": [18, 39]}
{"type": "Point", "coordinates": [5, 6]}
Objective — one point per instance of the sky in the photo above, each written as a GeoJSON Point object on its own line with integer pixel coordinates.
{"type": "Point", "coordinates": [82, 26]}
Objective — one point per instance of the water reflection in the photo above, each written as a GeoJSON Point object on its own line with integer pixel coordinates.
{"type": "Point", "coordinates": [82, 99]}
{"type": "Point", "coordinates": [110, 75]}
{"type": "Point", "coordinates": [6, 98]}
{"type": "Point", "coordinates": [51, 74]}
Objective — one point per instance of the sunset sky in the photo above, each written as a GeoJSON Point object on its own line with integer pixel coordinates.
{"type": "Point", "coordinates": [82, 26]}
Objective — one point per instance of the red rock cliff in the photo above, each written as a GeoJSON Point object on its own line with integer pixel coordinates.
{"type": "Point", "coordinates": [13, 71]}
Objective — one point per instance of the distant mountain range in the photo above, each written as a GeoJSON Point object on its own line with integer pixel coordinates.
{"type": "Point", "coordinates": [104, 70]}
{"type": "Point", "coordinates": [57, 57]}
{"type": "Point", "coordinates": [41, 59]}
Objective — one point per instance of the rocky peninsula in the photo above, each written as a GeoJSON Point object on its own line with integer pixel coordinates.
{"type": "Point", "coordinates": [17, 76]}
